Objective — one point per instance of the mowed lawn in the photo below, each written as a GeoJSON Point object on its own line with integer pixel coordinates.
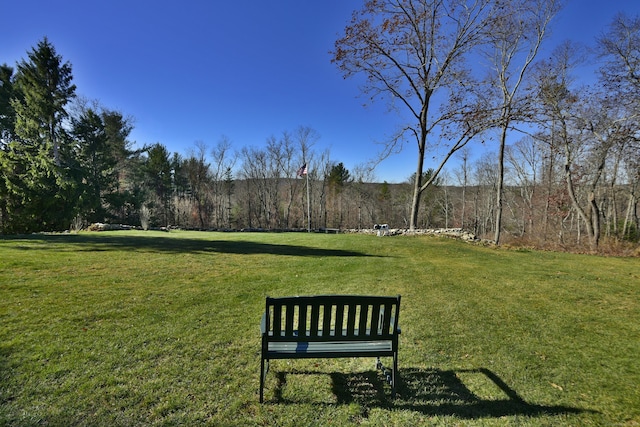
{"type": "Point", "coordinates": [153, 328]}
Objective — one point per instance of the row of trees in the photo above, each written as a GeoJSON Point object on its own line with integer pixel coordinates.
{"type": "Point", "coordinates": [464, 71]}
{"type": "Point", "coordinates": [60, 165]}
{"type": "Point", "coordinates": [66, 162]}
{"type": "Point", "coordinates": [571, 178]}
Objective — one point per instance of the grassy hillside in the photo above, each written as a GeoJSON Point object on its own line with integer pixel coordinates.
{"type": "Point", "coordinates": [135, 328]}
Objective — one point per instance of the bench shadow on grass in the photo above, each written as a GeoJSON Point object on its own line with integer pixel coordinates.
{"type": "Point", "coordinates": [161, 244]}
{"type": "Point", "coordinates": [431, 392]}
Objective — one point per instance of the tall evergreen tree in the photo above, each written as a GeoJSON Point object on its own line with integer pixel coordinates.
{"type": "Point", "coordinates": [40, 186]}
{"type": "Point", "coordinates": [46, 84]}
{"type": "Point", "coordinates": [338, 176]}
{"type": "Point", "coordinates": [96, 161]}
{"type": "Point", "coordinates": [124, 201]}
{"type": "Point", "coordinates": [158, 177]}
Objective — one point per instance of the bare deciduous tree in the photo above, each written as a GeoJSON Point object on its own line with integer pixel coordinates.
{"type": "Point", "coordinates": [413, 54]}
{"type": "Point", "coordinates": [223, 159]}
{"type": "Point", "coordinates": [523, 158]}
{"type": "Point", "coordinates": [197, 171]}
{"type": "Point", "coordinates": [514, 36]}
{"type": "Point", "coordinates": [619, 47]}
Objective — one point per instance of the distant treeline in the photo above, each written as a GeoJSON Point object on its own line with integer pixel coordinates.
{"type": "Point", "coordinates": [67, 162]}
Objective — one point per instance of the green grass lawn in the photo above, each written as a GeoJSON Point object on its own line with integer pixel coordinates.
{"type": "Point", "coordinates": [152, 328]}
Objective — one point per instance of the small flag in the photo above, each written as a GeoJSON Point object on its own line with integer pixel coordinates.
{"type": "Point", "coordinates": [302, 170]}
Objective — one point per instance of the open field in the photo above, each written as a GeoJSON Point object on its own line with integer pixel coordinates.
{"type": "Point", "coordinates": [152, 328]}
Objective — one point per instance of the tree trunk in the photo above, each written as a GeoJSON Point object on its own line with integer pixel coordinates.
{"type": "Point", "coordinates": [500, 188]}
{"type": "Point", "coordinates": [422, 144]}
{"type": "Point", "coordinates": [593, 237]}
{"type": "Point", "coordinates": [415, 204]}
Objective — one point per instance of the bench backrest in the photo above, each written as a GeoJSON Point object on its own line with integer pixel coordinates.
{"type": "Point", "coordinates": [332, 318]}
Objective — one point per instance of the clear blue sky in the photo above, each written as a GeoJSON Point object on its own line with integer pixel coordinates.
{"type": "Point", "coordinates": [247, 69]}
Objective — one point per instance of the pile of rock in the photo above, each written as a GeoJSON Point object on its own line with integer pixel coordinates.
{"type": "Point", "coordinates": [379, 230]}
{"type": "Point", "coordinates": [99, 226]}
{"type": "Point", "coordinates": [457, 233]}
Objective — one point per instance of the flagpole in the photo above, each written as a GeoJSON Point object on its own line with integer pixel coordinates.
{"type": "Point", "coordinates": [308, 205]}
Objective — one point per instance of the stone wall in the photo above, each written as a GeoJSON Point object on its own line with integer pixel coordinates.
{"type": "Point", "coordinates": [457, 233]}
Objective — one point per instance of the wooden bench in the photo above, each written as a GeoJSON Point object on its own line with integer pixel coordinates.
{"type": "Point", "coordinates": [330, 326]}
{"type": "Point", "coordinates": [331, 230]}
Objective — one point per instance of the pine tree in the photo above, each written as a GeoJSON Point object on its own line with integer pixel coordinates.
{"type": "Point", "coordinates": [40, 184]}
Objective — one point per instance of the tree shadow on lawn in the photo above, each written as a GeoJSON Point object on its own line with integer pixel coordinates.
{"type": "Point", "coordinates": [161, 244]}
{"type": "Point", "coordinates": [431, 392]}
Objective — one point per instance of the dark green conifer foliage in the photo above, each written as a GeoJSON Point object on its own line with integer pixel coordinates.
{"type": "Point", "coordinates": [7, 92]}
{"type": "Point", "coordinates": [39, 181]}
{"type": "Point", "coordinates": [7, 121]}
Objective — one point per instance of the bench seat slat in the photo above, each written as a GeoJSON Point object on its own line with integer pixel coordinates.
{"type": "Point", "coordinates": [338, 346]}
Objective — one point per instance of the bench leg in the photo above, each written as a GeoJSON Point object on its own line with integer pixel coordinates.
{"type": "Point", "coordinates": [390, 375]}
{"type": "Point", "coordinates": [262, 375]}
{"type": "Point", "coordinates": [394, 375]}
